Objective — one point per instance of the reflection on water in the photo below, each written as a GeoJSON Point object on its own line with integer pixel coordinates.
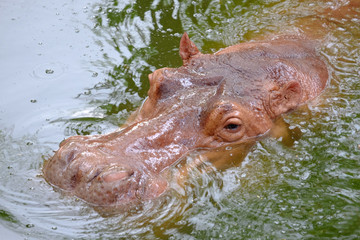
{"type": "Point", "coordinates": [308, 190]}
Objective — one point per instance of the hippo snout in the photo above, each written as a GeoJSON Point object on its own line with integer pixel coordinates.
{"type": "Point", "coordinates": [100, 178]}
{"type": "Point", "coordinates": [56, 169]}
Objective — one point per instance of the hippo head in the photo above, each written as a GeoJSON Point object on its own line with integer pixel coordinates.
{"type": "Point", "coordinates": [229, 97]}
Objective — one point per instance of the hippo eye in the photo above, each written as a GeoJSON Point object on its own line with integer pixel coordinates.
{"type": "Point", "coordinates": [233, 130]}
{"type": "Point", "coordinates": [232, 126]}
{"type": "Point", "coordinates": [225, 122]}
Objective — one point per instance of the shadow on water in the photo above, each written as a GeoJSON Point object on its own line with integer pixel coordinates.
{"type": "Point", "coordinates": [308, 190]}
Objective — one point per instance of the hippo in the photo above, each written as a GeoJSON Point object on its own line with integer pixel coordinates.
{"type": "Point", "coordinates": [211, 101]}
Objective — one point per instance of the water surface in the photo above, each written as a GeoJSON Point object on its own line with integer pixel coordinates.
{"type": "Point", "coordinates": [72, 68]}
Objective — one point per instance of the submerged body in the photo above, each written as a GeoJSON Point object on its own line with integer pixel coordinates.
{"type": "Point", "coordinates": [213, 100]}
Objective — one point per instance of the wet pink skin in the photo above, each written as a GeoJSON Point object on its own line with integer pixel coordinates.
{"type": "Point", "coordinates": [213, 100]}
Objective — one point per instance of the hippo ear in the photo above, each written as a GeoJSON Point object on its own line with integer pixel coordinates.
{"type": "Point", "coordinates": [285, 99]}
{"type": "Point", "coordinates": [187, 48]}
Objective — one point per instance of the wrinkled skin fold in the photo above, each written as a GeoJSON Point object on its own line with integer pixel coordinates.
{"type": "Point", "coordinates": [213, 100]}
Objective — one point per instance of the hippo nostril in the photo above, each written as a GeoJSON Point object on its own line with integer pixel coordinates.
{"type": "Point", "coordinates": [93, 175]}
{"type": "Point", "coordinates": [116, 173]}
{"type": "Point", "coordinates": [115, 176]}
{"type": "Point", "coordinates": [70, 156]}
{"type": "Point", "coordinates": [69, 152]}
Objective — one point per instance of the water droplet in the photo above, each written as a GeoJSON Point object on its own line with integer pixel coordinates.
{"type": "Point", "coordinates": [305, 175]}
{"type": "Point", "coordinates": [228, 148]}
{"type": "Point", "coordinates": [286, 169]}
{"type": "Point", "coordinates": [49, 71]}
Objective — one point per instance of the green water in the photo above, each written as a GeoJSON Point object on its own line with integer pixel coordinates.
{"type": "Point", "coordinates": [76, 67]}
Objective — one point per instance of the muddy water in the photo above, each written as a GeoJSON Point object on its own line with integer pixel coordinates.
{"type": "Point", "coordinates": [81, 68]}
